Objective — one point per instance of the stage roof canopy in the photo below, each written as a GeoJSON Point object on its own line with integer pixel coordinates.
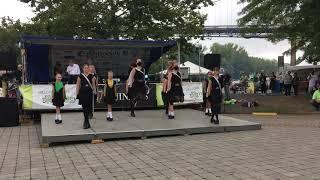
{"type": "Point", "coordinates": [64, 41]}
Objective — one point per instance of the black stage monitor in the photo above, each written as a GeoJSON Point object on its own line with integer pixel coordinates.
{"type": "Point", "coordinates": [212, 60]}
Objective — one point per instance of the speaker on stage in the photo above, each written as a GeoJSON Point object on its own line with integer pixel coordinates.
{"type": "Point", "coordinates": [9, 112]}
{"type": "Point", "coordinates": [212, 60]}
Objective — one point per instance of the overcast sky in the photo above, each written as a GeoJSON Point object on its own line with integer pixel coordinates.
{"type": "Point", "coordinates": [225, 12]}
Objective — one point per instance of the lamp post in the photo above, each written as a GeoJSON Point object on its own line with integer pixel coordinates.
{"type": "Point", "coordinates": [199, 60]}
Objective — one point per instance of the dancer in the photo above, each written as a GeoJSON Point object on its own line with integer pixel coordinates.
{"type": "Point", "coordinates": [137, 89]}
{"type": "Point", "coordinates": [214, 94]}
{"type": "Point", "coordinates": [109, 94]}
{"type": "Point", "coordinates": [206, 100]}
{"type": "Point", "coordinates": [85, 89]}
{"type": "Point", "coordinates": [174, 89]}
{"type": "Point", "coordinates": [164, 86]}
{"type": "Point", "coordinates": [132, 66]}
{"type": "Point", "coordinates": [58, 96]}
{"type": "Point", "coordinates": [93, 71]}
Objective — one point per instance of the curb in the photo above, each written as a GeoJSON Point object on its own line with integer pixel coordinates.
{"type": "Point", "coordinates": [264, 114]}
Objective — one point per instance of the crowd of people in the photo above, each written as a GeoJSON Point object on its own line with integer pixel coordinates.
{"type": "Point", "coordinates": [282, 83]}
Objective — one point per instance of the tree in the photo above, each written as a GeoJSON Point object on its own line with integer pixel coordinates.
{"type": "Point", "coordinates": [139, 19]}
{"type": "Point", "coordinates": [189, 52]}
{"type": "Point", "coordinates": [235, 59]}
{"type": "Point", "coordinates": [9, 34]}
{"type": "Point", "coordinates": [296, 20]}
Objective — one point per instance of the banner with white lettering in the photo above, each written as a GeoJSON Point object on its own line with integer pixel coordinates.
{"type": "Point", "coordinates": [192, 92]}
{"type": "Point", "coordinates": [39, 97]}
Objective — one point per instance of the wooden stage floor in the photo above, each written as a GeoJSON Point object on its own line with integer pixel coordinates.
{"type": "Point", "coordinates": [147, 123]}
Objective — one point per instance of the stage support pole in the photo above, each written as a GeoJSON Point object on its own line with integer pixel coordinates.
{"type": "Point", "coordinates": [179, 53]}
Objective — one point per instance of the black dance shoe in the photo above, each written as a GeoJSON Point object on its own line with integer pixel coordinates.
{"type": "Point", "coordinates": [212, 120]}
{"type": "Point", "coordinates": [110, 119]}
{"type": "Point", "coordinates": [60, 121]}
{"type": "Point", "coordinates": [132, 114]}
{"type": "Point", "coordinates": [86, 124]}
{"type": "Point", "coordinates": [56, 121]}
{"type": "Point", "coordinates": [216, 122]}
{"type": "Point", "coordinates": [170, 117]}
{"type": "Point", "coordinates": [90, 116]}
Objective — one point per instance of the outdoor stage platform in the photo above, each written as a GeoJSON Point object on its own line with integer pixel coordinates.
{"type": "Point", "coordinates": [147, 123]}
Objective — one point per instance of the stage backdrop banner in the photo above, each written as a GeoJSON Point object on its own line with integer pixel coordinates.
{"type": "Point", "coordinates": [192, 93]}
{"type": "Point", "coordinates": [39, 97]}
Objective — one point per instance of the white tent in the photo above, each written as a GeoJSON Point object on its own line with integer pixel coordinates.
{"type": "Point", "coordinates": [303, 65]}
{"type": "Point", "coordinates": [194, 69]}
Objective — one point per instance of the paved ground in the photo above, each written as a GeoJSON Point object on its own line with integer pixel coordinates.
{"type": "Point", "coordinates": [287, 147]}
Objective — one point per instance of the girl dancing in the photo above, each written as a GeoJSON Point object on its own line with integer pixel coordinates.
{"type": "Point", "coordinates": [85, 93]}
{"type": "Point", "coordinates": [174, 89]}
{"type": "Point", "coordinates": [137, 89]}
{"type": "Point", "coordinates": [58, 96]}
{"type": "Point", "coordinates": [214, 94]}
{"type": "Point", "coordinates": [110, 94]}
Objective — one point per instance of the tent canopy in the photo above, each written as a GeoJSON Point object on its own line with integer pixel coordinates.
{"type": "Point", "coordinates": [194, 69]}
{"type": "Point", "coordinates": [303, 65]}
{"type": "Point", "coordinates": [107, 54]}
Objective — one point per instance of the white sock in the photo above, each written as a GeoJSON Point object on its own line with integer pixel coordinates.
{"type": "Point", "coordinates": [210, 110]}
{"type": "Point", "coordinates": [107, 114]}
{"type": "Point", "coordinates": [207, 110]}
{"type": "Point", "coordinates": [172, 113]}
{"type": "Point", "coordinates": [110, 114]}
{"type": "Point", "coordinates": [59, 117]}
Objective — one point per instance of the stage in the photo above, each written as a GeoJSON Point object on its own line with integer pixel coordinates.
{"type": "Point", "coordinates": [147, 123]}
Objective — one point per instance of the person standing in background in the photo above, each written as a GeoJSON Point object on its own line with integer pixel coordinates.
{"type": "Point", "coordinates": [287, 80]}
{"type": "Point", "coordinates": [227, 83]}
{"type": "Point", "coordinates": [316, 97]}
{"type": "Point", "coordinates": [273, 79]}
{"type": "Point", "coordinates": [295, 83]}
{"type": "Point", "coordinates": [18, 74]}
{"type": "Point", "coordinates": [281, 82]}
{"type": "Point", "coordinates": [312, 78]}
{"type": "Point", "coordinates": [263, 81]}
{"type": "Point", "coordinates": [73, 72]}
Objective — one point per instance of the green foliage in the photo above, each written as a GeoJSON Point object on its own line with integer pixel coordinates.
{"type": "Point", "coordinates": [9, 34]}
{"type": "Point", "coordinates": [296, 20]}
{"type": "Point", "coordinates": [235, 59]}
{"type": "Point", "coordinates": [189, 52]}
{"type": "Point", "coordinates": [139, 19]}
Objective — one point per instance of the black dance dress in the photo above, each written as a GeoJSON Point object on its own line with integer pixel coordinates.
{"type": "Point", "coordinates": [164, 94]}
{"type": "Point", "coordinates": [86, 91]}
{"type": "Point", "coordinates": [215, 96]}
{"type": "Point", "coordinates": [176, 92]}
{"type": "Point", "coordinates": [86, 98]}
{"type": "Point", "coordinates": [110, 97]}
{"type": "Point", "coordinates": [58, 98]}
{"type": "Point", "coordinates": [138, 90]}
